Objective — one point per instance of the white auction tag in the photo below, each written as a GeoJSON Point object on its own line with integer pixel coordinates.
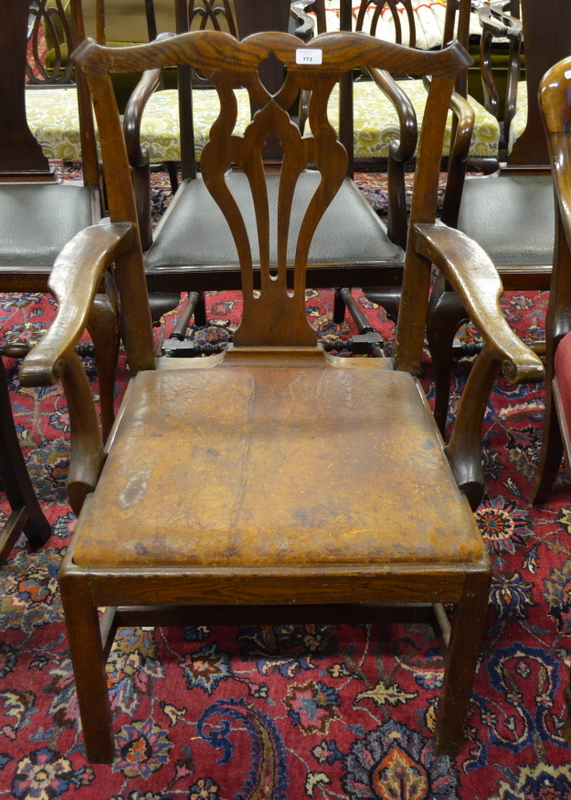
{"type": "Point", "coordinates": [309, 56]}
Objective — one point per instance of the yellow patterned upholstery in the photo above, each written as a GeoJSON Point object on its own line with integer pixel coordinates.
{"type": "Point", "coordinates": [53, 119]}
{"type": "Point", "coordinates": [375, 122]}
{"type": "Point", "coordinates": [429, 22]}
{"type": "Point", "coordinates": [519, 120]}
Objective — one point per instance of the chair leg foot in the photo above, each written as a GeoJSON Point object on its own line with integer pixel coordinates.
{"type": "Point", "coordinates": [338, 308]}
{"type": "Point", "coordinates": [468, 624]}
{"type": "Point", "coordinates": [88, 661]}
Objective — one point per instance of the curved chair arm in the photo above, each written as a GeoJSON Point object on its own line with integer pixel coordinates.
{"type": "Point", "coordinates": [137, 153]}
{"type": "Point", "coordinates": [478, 285]}
{"type": "Point", "coordinates": [473, 276]}
{"type": "Point", "coordinates": [401, 150]}
{"type": "Point", "coordinates": [459, 153]}
{"type": "Point", "coordinates": [498, 23]}
{"type": "Point", "coordinates": [133, 116]}
{"type": "Point", "coordinates": [74, 281]}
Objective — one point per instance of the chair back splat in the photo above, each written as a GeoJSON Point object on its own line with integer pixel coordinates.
{"type": "Point", "coordinates": [230, 65]}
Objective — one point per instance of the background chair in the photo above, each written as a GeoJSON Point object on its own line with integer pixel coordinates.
{"type": "Point", "coordinates": [254, 518]}
{"type": "Point", "coordinates": [377, 123]}
{"type": "Point", "coordinates": [351, 247]}
{"type": "Point", "coordinates": [26, 514]}
{"type": "Point", "coordinates": [39, 213]}
{"type": "Point", "coordinates": [509, 213]}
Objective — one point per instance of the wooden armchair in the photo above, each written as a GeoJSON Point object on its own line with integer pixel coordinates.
{"type": "Point", "coordinates": [39, 213]}
{"type": "Point", "coordinates": [254, 521]}
{"type": "Point", "coordinates": [510, 213]}
{"type": "Point", "coordinates": [379, 120]}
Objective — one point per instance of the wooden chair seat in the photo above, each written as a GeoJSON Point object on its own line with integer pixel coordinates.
{"type": "Point", "coordinates": [349, 233]}
{"type": "Point", "coordinates": [280, 433]}
{"type": "Point", "coordinates": [35, 245]}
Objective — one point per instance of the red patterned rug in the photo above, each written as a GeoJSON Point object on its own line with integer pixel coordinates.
{"type": "Point", "coordinates": [288, 712]}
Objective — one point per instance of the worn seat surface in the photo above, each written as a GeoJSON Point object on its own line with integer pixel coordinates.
{"type": "Point", "coordinates": [240, 435]}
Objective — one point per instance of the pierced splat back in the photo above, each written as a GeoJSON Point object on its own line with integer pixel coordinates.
{"type": "Point", "coordinates": [274, 311]}
{"type": "Point", "coordinates": [273, 314]}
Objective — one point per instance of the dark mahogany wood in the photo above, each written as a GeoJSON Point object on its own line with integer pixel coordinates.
{"type": "Point", "coordinates": [26, 513]}
{"type": "Point", "coordinates": [20, 153]}
{"type": "Point", "coordinates": [546, 36]}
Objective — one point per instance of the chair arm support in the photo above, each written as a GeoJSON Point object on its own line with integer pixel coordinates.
{"type": "Point", "coordinates": [74, 281]}
{"type": "Point", "coordinates": [402, 149]}
{"type": "Point", "coordinates": [138, 156]}
{"type": "Point", "coordinates": [477, 283]}
{"type": "Point", "coordinates": [465, 116]}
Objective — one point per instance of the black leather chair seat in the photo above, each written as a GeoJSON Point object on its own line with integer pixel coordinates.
{"type": "Point", "coordinates": [194, 228]}
{"type": "Point", "coordinates": [515, 221]}
{"type": "Point", "coordinates": [36, 225]}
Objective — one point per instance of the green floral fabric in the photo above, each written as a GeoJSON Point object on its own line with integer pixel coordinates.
{"type": "Point", "coordinates": [53, 118]}
{"type": "Point", "coordinates": [519, 120]}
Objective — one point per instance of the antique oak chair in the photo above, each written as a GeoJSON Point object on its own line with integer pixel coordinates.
{"type": "Point", "coordinates": [509, 213]}
{"type": "Point", "coordinates": [554, 101]}
{"type": "Point", "coordinates": [39, 212]}
{"type": "Point", "coordinates": [252, 517]}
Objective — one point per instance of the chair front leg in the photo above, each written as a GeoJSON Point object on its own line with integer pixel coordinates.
{"type": "Point", "coordinates": [87, 658]}
{"type": "Point", "coordinates": [461, 660]}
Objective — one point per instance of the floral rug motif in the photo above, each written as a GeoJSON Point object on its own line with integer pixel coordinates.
{"type": "Point", "coordinates": [288, 711]}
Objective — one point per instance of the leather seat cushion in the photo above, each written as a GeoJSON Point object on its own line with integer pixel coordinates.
{"type": "Point", "coordinates": [37, 220]}
{"type": "Point", "coordinates": [264, 465]}
{"type": "Point", "coordinates": [512, 217]}
{"type": "Point", "coordinates": [195, 231]}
